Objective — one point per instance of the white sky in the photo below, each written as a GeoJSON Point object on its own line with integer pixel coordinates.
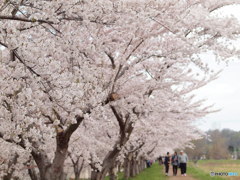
{"type": "Point", "coordinates": [224, 92]}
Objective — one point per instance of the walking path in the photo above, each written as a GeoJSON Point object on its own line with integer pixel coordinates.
{"type": "Point", "coordinates": [179, 177]}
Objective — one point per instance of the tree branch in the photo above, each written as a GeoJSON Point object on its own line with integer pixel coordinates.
{"type": "Point", "coordinates": [14, 18]}
{"type": "Point", "coordinates": [28, 67]}
{"type": "Point", "coordinates": [15, 54]}
{"type": "Point", "coordinates": [119, 119]}
{"type": "Point", "coordinates": [137, 148]}
{"type": "Point", "coordinates": [68, 132]}
{"type": "Point", "coordinates": [111, 59]}
{"type": "Point", "coordinates": [136, 47]}
{"type": "Point", "coordinates": [21, 143]}
{"type": "Point", "coordinates": [116, 77]}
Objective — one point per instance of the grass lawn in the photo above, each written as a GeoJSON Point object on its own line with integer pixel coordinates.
{"type": "Point", "coordinates": [153, 173]}
{"type": "Point", "coordinates": [219, 161]}
{"type": "Point", "coordinates": [207, 166]}
{"type": "Point", "coordinates": [199, 173]}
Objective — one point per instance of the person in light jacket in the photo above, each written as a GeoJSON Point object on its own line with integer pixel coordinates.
{"type": "Point", "coordinates": [183, 159]}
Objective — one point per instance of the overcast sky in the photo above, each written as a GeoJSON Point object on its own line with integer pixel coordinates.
{"type": "Point", "coordinates": [224, 92]}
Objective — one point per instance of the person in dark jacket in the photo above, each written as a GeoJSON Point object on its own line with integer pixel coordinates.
{"type": "Point", "coordinates": [148, 163]}
{"type": "Point", "coordinates": [166, 163]}
{"type": "Point", "coordinates": [175, 163]}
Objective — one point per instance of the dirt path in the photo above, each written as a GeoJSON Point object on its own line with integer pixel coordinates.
{"type": "Point", "coordinates": [179, 177]}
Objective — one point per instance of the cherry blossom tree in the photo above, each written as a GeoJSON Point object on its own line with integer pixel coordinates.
{"type": "Point", "coordinates": [65, 63]}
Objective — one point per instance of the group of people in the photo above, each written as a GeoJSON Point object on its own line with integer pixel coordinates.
{"type": "Point", "coordinates": [177, 161]}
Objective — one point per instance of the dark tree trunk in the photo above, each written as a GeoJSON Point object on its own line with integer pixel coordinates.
{"type": "Point", "coordinates": [112, 174]}
{"type": "Point", "coordinates": [102, 174]}
{"type": "Point", "coordinates": [32, 173]}
{"type": "Point", "coordinates": [42, 162]}
{"type": "Point", "coordinates": [11, 163]}
{"type": "Point", "coordinates": [54, 170]}
{"type": "Point", "coordinates": [77, 175]}
{"type": "Point", "coordinates": [133, 168]}
{"type": "Point", "coordinates": [141, 165]}
{"type": "Point", "coordinates": [137, 171]}
{"type": "Point", "coordinates": [119, 167]}
{"type": "Point", "coordinates": [127, 168]}
{"type": "Point", "coordinates": [109, 161]}
{"type": "Point", "coordinates": [77, 169]}
{"type": "Point", "coordinates": [125, 129]}
{"type": "Point", "coordinates": [94, 175]}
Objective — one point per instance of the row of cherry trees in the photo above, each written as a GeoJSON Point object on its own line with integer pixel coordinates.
{"type": "Point", "coordinates": [103, 83]}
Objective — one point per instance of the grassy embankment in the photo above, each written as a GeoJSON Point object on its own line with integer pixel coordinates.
{"type": "Point", "coordinates": [203, 168]}
{"type": "Point", "coordinates": [201, 171]}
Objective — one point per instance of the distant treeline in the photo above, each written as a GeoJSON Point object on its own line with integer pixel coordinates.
{"type": "Point", "coordinates": [224, 144]}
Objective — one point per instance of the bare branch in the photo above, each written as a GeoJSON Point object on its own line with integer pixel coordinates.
{"type": "Point", "coordinates": [116, 77]}
{"type": "Point", "coordinates": [119, 119]}
{"type": "Point", "coordinates": [111, 59]}
{"type": "Point", "coordinates": [134, 49]}
{"type": "Point", "coordinates": [13, 18]}
{"type": "Point", "coordinates": [15, 54]}
{"type": "Point", "coordinates": [28, 67]}
{"type": "Point", "coordinates": [68, 132]}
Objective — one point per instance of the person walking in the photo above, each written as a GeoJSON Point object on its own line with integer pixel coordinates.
{"type": "Point", "coordinates": [166, 163]}
{"type": "Point", "coordinates": [160, 160]}
{"type": "Point", "coordinates": [183, 159]}
{"type": "Point", "coordinates": [175, 163]}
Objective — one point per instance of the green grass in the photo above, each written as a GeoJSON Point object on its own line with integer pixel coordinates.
{"type": "Point", "coordinates": [200, 174]}
{"type": "Point", "coordinates": [219, 161]}
{"type": "Point", "coordinates": [220, 166]}
{"type": "Point", "coordinates": [153, 173]}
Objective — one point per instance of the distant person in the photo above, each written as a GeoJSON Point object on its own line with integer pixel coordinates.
{"type": "Point", "coordinates": [175, 163]}
{"type": "Point", "coordinates": [160, 160]}
{"type": "Point", "coordinates": [183, 159]}
{"type": "Point", "coordinates": [148, 163]}
{"type": "Point", "coordinates": [151, 162]}
{"type": "Point", "coordinates": [166, 163]}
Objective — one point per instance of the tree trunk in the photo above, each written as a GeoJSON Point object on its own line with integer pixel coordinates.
{"type": "Point", "coordinates": [108, 163]}
{"type": "Point", "coordinates": [143, 164]}
{"type": "Point", "coordinates": [137, 171]}
{"type": "Point", "coordinates": [102, 174]}
{"type": "Point", "coordinates": [42, 162]}
{"type": "Point", "coordinates": [127, 168]}
{"type": "Point", "coordinates": [54, 170]}
{"type": "Point", "coordinates": [126, 129]}
{"type": "Point", "coordinates": [119, 167]}
{"type": "Point", "coordinates": [11, 170]}
{"type": "Point", "coordinates": [33, 175]}
{"type": "Point", "coordinates": [77, 172]}
{"type": "Point", "coordinates": [133, 168]}
{"type": "Point", "coordinates": [77, 169]}
{"type": "Point", "coordinates": [93, 175]}
{"type": "Point", "coordinates": [112, 173]}
{"type": "Point", "coordinates": [77, 175]}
